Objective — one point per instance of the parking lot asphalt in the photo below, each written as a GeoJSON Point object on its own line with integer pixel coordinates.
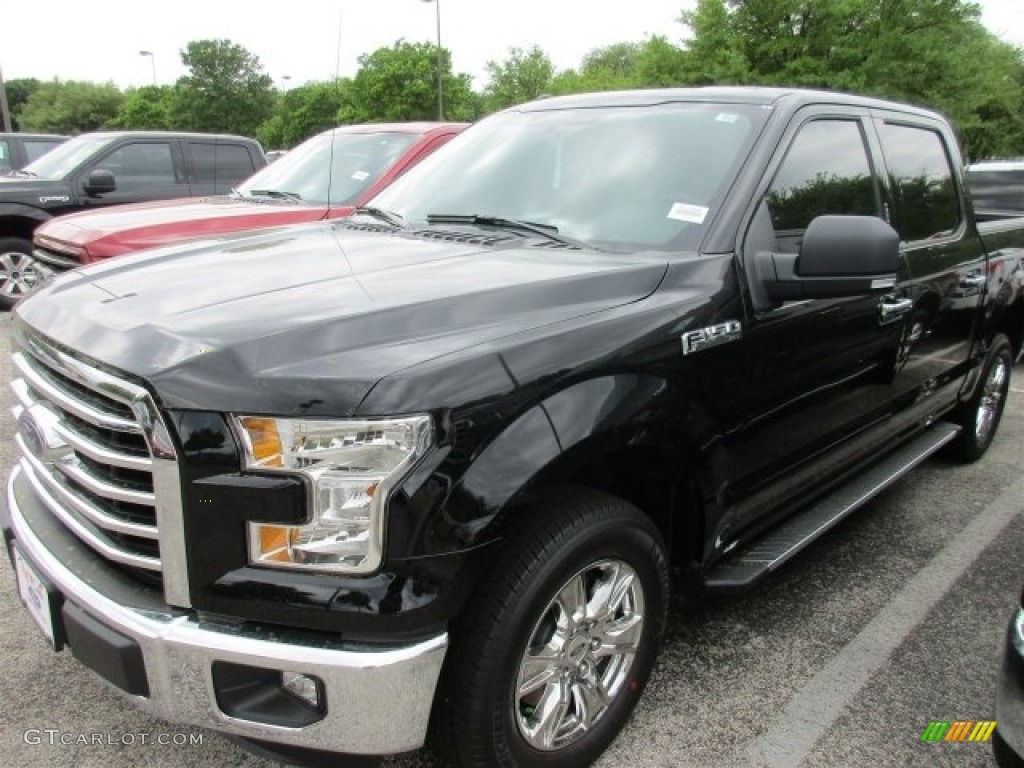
{"type": "Point", "coordinates": [894, 619]}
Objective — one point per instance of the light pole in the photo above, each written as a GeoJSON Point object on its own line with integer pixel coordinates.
{"type": "Point", "coordinates": [284, 82]}
{"type": "Point", "coordinates": [440, 61]}
{"type": "Point", "coordinates": [5, 113]}
{"type": "Point", "coordinates": [152, 61]}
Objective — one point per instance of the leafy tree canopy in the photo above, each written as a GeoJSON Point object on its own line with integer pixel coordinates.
{"type": "Point", "coordinates": [523, 76]}
{"type": "Point", "coordinates": [145, 109]}
{"type": "Point", "coordinates": [303, 112]}
{"type": "Point", "coordinates": [400, 83]}
{"type": "Point", "coordinates": [226, 89]}
{"type": "Point", "coordinates": [18, 91]}
{"type": "Point", "coordinates": [69, 106]}
{"type": "Point", "coordinates": [930, 52]}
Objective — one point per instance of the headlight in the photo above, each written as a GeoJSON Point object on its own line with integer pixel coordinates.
{"type": "Point", "coordinates": [352, 466]}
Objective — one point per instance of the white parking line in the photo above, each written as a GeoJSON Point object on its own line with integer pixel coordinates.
{"type": "Point", "coordinates": [791, 736]}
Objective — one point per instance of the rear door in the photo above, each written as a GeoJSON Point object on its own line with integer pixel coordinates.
{"type": "Point", "coordinates": [946, 261]}
{"type": "Point", "coordinates": [215, 167]}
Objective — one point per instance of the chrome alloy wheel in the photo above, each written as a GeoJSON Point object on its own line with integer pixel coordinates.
{"type": "Point", "coordinates": [18, 274]}
{"type": "Point", "coordinates": [991, 401]}
{"type": "Point", "coordinates": [579, 654]}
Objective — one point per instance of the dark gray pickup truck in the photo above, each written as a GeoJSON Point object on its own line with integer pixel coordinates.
{"type": "Point", "coordinates": [441, 464]}
{"type": "Point", "coordinates": [95, 170]}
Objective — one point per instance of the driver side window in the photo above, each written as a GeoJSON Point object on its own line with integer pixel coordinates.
{"type": "Point", "coordinates": [826, 171]}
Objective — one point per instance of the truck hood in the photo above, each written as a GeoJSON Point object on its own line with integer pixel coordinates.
{"type": "Point", "coordinates": [19, 189]}
{"type": "Point", "coordinates": [127, 228]}
{"type": "Point", "coordinates": [306, 319]}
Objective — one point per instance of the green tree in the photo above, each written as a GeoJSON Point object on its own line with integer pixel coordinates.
{"type": "Point", "coordinates": [400, 83]}
{"type": "Point", "coordinates": [523, 76]}
{"type": "Point", "coordinates": [303, 112]}
{"type": "Point", "coordinates": [930, 52]}
{"type": "Point", "coordinates": [226, 89]}
{"type": "Point", "coordinates": [653, 63]}
{"type": "Point", "coordinates": [660, 64]}
{"type": "Point", "coordinates": [145, 108]}
{"type": "Point", "coordinates": [715, 53]}
{"type": "Point", "coordinates": [69, 106]}
{"type": "Point", "coordinates": [18, 91]}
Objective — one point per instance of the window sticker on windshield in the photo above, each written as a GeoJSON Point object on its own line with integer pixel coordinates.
{"type": "Point", "coordinates": [360, 175]}
{"type": "Point", "coordinates": [685, 212]}
{"type": "Point", "coordinates": [726, 117]}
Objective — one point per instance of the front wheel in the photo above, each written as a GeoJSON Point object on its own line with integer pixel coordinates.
{"type": "Point", "coordinates": [554, 652]}
{"type": "Point", "coordinates": [979, 416]}
{"type": "Point", "coordinates": [19, 272]}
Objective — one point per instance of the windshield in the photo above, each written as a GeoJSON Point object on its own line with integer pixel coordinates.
{"type": "Point", "coordinates": [621, 178]}
{"type": "Point", "coordinates": [309, 170]}
{"type": "Point", "coordinates": [59, 162]}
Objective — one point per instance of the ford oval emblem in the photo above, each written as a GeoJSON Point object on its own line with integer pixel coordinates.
{"type": "Point", "coordinates": [31, 433]}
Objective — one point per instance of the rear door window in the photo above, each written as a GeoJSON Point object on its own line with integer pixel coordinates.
{"type": "Point", "coordinates": [925, 200]}
{"type": "Point", "coordinates": [219, 163]}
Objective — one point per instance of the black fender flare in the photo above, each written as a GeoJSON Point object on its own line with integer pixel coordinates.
{"type": "Point", "coordinates": [21, 211]}
{"type": "Point", "coordinates": [589, 419]}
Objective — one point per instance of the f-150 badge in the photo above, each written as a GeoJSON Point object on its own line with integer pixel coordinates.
{"type": "Point", "coordinates": [712, 336]}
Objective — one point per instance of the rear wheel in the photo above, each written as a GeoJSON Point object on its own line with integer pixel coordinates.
{"type": "Point", "coordinates": [552, 656]}
{"type": "Point", "coordinates": [19, 273]}
{"type": "Point", "coordinates": [980, 415]}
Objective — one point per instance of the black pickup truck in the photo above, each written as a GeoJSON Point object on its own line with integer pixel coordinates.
{"type": "Point", "coordinates": [442, 463]}
{"type": "Point", "coordinates": [111, 168]}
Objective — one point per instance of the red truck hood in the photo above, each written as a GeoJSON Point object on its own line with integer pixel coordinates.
{"type": "Point", "coordinates": [127, 228]}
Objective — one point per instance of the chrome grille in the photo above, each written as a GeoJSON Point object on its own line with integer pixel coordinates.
{"type": "Point", "coordinates": [54, 258]}
{"type": "Point", "coordinates": [90, 444]}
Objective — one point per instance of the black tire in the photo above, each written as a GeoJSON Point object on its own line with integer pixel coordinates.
{"type": "Point", "coordinates": [1004, 754]}
{"type": "Point", "coordinates": [18, 271]}
{"type": "Point", "coordinates": [979, 416]}
{"type": "Point", "coordinates": [580, 544]}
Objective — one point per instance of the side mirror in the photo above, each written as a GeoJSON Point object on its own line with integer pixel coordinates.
{"type": "Point", "coordinates": [839, 256]}
{"type": "Point", "coordinates": [100, 181]}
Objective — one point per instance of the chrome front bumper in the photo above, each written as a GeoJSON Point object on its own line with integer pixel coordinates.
{"type": "Point", "coordinates": [377, 701]}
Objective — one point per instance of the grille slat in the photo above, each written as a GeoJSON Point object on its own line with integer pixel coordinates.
{"type": "Point", "coordinates": [86, 455]}
{"type": "Point", "coordinates": [79, 505]}
{"type": "Point", "coordinates": [86, 533]}
{"type": "Point", "coordinates": [59, 397]}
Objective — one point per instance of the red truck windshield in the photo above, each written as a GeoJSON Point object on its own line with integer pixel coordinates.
{"type": "Point", "coordinates": [355, 161]}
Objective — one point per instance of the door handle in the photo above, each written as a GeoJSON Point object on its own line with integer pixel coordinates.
{"type": "Point", "coordinates": [891, 309]}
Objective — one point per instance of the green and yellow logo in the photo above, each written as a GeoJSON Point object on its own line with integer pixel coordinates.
{"type": "Point", "coordinates": [958, 730]}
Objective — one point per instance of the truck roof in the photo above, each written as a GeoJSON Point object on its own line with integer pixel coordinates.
{"type": "Point", "coordinates": [171, 134]}
{"type": "Point", "coordinates": [756, 95]}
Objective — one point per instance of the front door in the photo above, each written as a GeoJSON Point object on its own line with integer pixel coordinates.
{"type": "Point", "coordinates": [817, 375]}
{"type": "Point", "coordinates": [143, 171]}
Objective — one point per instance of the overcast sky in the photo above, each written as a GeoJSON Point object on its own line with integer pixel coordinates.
{"type": "Point", "coordinates": [100, 40]}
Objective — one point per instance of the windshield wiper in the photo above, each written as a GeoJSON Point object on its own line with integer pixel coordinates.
{"type": "Point", "coordinates": [549, 231]}
{"type": "Point", "coordinates": [277, 194]}
{"type": "Point", "coordinates": [381, 215]}
{"type": "Point", "coordinates": [20, 173]}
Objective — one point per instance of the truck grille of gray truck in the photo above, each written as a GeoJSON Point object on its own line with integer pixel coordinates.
{"type": "Point", "coordinates": [87, 441]}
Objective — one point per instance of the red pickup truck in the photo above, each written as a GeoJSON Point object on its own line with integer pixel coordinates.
{"type": "Point", "coordinates": [326, 177]}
